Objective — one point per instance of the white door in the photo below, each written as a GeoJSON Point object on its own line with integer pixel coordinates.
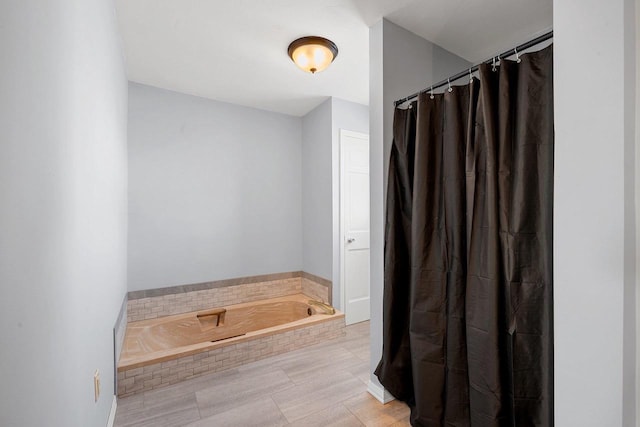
{"type": "Point", "coordinates": [354, 225]}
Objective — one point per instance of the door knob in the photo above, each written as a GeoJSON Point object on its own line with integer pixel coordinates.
{"type": "Point", "coordinates": [351, 240]}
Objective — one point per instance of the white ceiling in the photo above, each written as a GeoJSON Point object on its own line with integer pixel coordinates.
{"type": "Point", "coordinates": [236, 50]}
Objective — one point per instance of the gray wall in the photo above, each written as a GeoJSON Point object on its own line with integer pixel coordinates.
{"type": "Point", "coordinates": [316, 191]}
{"type": "Point", "coordinates": [63, 178]}
{"type": "Point", "coordinates": [401, 63]}
{"type": "Point", "coordinates": [321, 185]}
{"type": "Point", "coordinates": [637, 211]}
{"type": "Point", "coordinates": [214, 190]}
{"type": "Point", "coordinates": [594, 258]}
{"type": "Point", "coordinates": [348, 116]}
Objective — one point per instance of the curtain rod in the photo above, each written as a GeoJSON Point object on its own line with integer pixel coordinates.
{"type": "Point", "coordinates": [473, 69]}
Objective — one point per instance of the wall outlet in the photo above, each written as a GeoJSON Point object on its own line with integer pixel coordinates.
{"type": "Point", "coordinates": [96, 385]}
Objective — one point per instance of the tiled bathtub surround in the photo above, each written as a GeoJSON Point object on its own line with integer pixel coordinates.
{"type": "Point", "coordinates": [154, 303]}
{"type": "Point", "coordinates": [180, 289]}
{"type": "Point", "coordinates": [119, 329]}
{"type": "Point", "coordinates": [223, 357]}
{"type": "Point", "coordinates": [316, 287]}
{"type": "Point", "coordinates": [154, 307]}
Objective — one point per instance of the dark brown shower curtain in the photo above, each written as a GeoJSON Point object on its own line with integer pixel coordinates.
{"type": "Point", "coordinates": [467, 337]}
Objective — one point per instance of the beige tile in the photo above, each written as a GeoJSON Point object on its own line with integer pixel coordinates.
{"type": "Point", "coordinates": [317, 394]}
{"type": "Point", "coordinates": [164, 305]}
{"type": "Point", "coordinates": [189, 386]}
{"type": "Point", "coordinates": [132, 403]}
{"type": "Point", "coordinates": [322, 363]}
{"type": "Point", "coordinates": [172, 419]}
{"type": "Point", "coordinates": [359, 347]}
{"type": "Point", "coordinates": [262, 412]}
{"type": "Point", "coordinates": [361, 371]}
{"type": "Point", "coordinates": [372, 413]}
{"type": "Point", "coordinates": [326, 379]}
{"type": "Point", "coordinates": [288, 361]}
{"type": "Point", "coordinates": [182, 409]}
{"type": "Point", "coordinates": [362, 328]}
{"type": "Point", "coordinates": [335, 416]}
{"type": "Point", "coordinates": [241, 390]}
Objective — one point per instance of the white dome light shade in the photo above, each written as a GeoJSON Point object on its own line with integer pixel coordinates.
{"type": "Point", "coordinates": [312, 54]}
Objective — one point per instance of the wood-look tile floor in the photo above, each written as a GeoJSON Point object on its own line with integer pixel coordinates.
{"type": "Point", "coordinates": [323, 385]}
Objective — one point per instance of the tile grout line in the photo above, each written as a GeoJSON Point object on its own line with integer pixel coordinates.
{"type": "Point", "coordinates": [279, 408]}
{"type": "Point", "coordinates": [195, 394]}
{"type": "Point", "coordinates": [352, 413]}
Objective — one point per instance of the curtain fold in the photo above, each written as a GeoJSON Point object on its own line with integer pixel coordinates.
{"type": "Point", "coordinates": [467, 336]}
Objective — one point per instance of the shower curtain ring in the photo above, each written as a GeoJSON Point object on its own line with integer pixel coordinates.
{"type": "Point", "coordinates": [493, 66]}
{"type": "Point", "coordinates": [449, 83]}
{"type": "Point", "coordinates": [470, 76]}
{"type": "Point", "coordinates": [431, 92]}
{"type": "Point", "coordinates": [518, 60]}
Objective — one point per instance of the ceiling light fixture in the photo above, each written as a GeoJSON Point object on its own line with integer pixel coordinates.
{"type": "Point", "coordinates": [312, 54]}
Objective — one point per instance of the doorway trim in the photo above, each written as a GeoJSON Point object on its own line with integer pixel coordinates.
{"type": "Point", "coordinates": [341, 233]}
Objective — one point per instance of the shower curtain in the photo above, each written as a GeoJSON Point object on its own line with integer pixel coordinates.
{"type": "Point", "coordinates": [467, 335]}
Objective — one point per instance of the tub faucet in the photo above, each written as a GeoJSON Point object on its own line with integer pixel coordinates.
{"type": "Point", "coordinates": [326, 308]}
{"type": "Point", "coordinates": [212, 318]}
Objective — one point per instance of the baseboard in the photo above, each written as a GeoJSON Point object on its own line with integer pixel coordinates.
{"type": "Point", "coordinates": [112, 414]}
{"type": "Point", "coordinates": [379, 393]}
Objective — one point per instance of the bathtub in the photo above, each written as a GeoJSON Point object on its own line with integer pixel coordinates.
{"type": "Point", "coordinates": [163, 351]}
